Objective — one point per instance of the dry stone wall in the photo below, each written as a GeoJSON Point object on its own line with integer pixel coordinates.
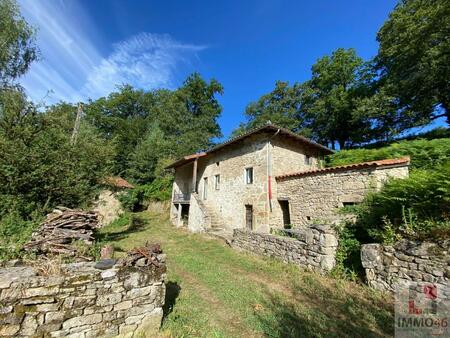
{"type": "Point", "coordinates": [313, 248]}
{"type": "Point", "coordinates": [390, 266]}
{"type": "Point", "coordinates": [81, 301]}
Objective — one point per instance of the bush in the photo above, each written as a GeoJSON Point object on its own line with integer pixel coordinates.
{"type": "Point", "coordinates": [425, 154]}
{"type": "Point", "coordinates": [348, 261]}
{"type": "Point", "coordinates": [14, 233]}
{"type": "Point", "coordinates": [415, 207]}
{"type": "Point", "coordinates": [159, 190]}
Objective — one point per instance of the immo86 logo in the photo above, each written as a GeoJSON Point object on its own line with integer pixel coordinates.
{"type": "Point", "coordinates": [422, 310]}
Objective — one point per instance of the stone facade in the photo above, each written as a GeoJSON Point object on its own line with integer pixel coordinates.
{"type": "Point", "coordinates": [316, 197]}
{"type": "Point", "coordinates": [313, 248]}
{"type": "Point", "coordinates": [268, 154]}
{"type": "Point", "coordinates": [390, 266]}
{"type": "Point", "coordinates": [81, 301]}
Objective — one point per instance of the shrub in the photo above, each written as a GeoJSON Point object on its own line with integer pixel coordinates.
{"type": "Point", "coordinates": [14, 233]}
{"type": "Point", "coordinates": [348, 262]}
{"type": "Point", "coordinates": [425, 154]}
{"type": "Point", "coordinates": [415, 207]}
{"type": "Point", "coordinates": [159, 190]}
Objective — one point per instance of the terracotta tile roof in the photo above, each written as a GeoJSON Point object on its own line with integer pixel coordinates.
{"type": "Point", "coordinates": [266, 127]}
{"type": "Point", "coordinates": [118, 182]}
{"type": "Point", "coordinates": [363, 165]}
{"type": "Point", "coordinates": [185, 160]}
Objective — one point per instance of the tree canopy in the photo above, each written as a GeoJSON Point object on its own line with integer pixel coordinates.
{"type": "Point", "coordinates": [17, 43]}
{"type": "Point", "coordinates": [414, 59]}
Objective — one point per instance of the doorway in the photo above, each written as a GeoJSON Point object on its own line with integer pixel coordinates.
{"type": "Point", "coordinates": [249, 216]}
{"type": "Point", "coordinates": [184, 214]}
{"type": "Point", "coordinates": [284, 204]}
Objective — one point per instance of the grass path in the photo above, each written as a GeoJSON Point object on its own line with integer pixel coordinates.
{"type": "Point", "coordinates": [215, 291]}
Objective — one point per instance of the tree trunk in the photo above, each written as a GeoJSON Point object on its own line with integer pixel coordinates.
{"type": "Point", "coordinates": [341, 144]}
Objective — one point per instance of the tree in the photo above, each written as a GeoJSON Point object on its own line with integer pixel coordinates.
{"type": "Point", "coordinates": [155, 125]}
{"type": "Point", "coordinates": [39, 167]}
{"type": "Point", "coordinates": [414, 59]}
{"type": "Point", "coordinates": [330, 99]}
{"type": "Point", "coordinates": [17, 43]}
{"type": "Point", "coordinates": [188, 116]}
{"type": "Point", "coordinates": [122, 116]}
{"type": "Point", "coordinates": [145, 158]}
{"type": "Point", "coordinates": [281, 106]}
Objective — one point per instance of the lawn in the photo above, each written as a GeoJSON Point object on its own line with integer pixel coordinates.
{"type": "Point", "coordinates": [215, 291]}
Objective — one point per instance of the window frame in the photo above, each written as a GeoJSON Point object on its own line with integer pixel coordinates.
{"type": "Point", "coordinates": [248, 181]}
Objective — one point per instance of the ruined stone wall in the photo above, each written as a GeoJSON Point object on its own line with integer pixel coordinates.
{"type": "Point", "coordinates": [390, 266]}
{"type": "Point", "coordinates": [108, 207]}
{"type": "Point", "coordinates": [318, 196]}
{"type": "Point", "coordinates": [314, 248]}
{"type": "Point", "coordinates": [81, 301]}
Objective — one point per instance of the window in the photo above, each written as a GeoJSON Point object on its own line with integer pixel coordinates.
{"type": "Point", "coordinates": [248, 175]}
{"type": "Point", "coordinates": [217, 182]}
{"type": "Point", "coordinates": [205, 188]}
{"type": "Point", "coordinates": [307, 160]}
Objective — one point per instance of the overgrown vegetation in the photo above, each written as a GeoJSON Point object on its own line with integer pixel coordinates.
{"type": "Point", "coordinates": [215, 291]}
{"type": "Point", "coordinates": [159, 190]}
{"type": "Point", "coordinates": [417, 207]}
{"type": "Point", "coordinates": [424, 154]}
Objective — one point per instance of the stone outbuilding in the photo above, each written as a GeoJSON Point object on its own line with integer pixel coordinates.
{"type": "Point", "coordinates": [268, 177]}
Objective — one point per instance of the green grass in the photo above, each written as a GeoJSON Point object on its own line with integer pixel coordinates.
{"type": "Point", "coordinates": [215, 291]}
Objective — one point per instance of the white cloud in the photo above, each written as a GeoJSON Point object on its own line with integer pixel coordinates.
{"type": "Point", "coordinates": [77, 64]}
{"type": "Point", "coordinates": [145, 60]}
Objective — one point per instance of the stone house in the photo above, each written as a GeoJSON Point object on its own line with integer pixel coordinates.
{"type": "Point", "coordinates": [268, 177]}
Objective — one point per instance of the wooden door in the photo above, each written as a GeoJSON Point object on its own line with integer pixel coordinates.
{"type": "Point", "coordinates": [249, 216]}
{"type": "Point", "coordinates": [284, 204]}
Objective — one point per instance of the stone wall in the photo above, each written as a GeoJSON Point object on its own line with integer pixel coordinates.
{"type": "Point", "coordinates": [287, 157]}
{"type": "Point", "coordinates": [388, 267]}
{"type": "Point", "coordinates": [313, 248]}
{"type": "Point", "coordinates": [108, 206]}
{"type": "Point", "coordinates": [81, 301]}
{"type": "Point", "coordinates": [198, 219]}
{"type": "Point", "coordinates": [229, 200]}
{"type": "Point", "coordinates": [318, 196]}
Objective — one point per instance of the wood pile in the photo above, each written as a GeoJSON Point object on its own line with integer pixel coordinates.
{"type": "Point", "coordinates": [144, 256]}
{"type": "Point", "coordinates": [62, 231]}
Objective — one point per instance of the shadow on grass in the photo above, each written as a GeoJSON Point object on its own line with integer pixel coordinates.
{"type": "Point", "coordinates": [172, 292]}
{"type": "Point", "coordinates": [136, 224]}
{"type": "Point", "coordinates": [320, 311]}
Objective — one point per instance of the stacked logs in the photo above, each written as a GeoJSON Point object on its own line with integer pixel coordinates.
{"type": "Point", "coordinates": [144, 256]}
{"type": "Point", "coordinates": [62, 231]}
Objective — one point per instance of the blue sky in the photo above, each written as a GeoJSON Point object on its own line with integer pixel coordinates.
{"type": "Point", "coordinates": [89, 47]}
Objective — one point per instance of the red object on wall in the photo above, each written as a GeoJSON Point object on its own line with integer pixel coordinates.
{"type": "Point", "coordinates": [270, 187]}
